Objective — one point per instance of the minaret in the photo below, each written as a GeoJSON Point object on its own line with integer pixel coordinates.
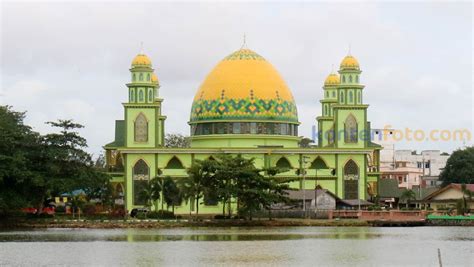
{"type": "Point", "coordinates": [350, 92]}
{"type": "Point", "coordinates": [349, 113]}
{"type": "Point", "coordinates": [145, 124]}
{"type": "Point", "coordinates": [326, 120]}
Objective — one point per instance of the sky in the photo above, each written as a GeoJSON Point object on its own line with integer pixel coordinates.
{"type": "Point", "coordinates": [71, 60]}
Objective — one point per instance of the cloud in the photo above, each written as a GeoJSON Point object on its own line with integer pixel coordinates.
{"type": "Point", "coordinates": [72, 60]}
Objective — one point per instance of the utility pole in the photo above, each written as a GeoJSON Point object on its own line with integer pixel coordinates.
{"type": "Point", "coordinates": [303, 164]}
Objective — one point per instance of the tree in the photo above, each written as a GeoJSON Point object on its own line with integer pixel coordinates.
{"type": "Point", "coordinates": [34, 167]}
{"type": "Point", "coordinates": [408, 195]}
{"type": "Point", "coordinates": [459, 167]}
{"type": "Point", "coordinates": [305, 142]}
{"type": "Point", "coordinates": [171, 193]}
{"type": "Point", "coordinates": [176, 140]}
{"type": "Point", "coordinates": [151, 192]}
{"type": "Point", "coordinates": [462, 205]}
{"type": "Point", "coordinates": [194, 186]}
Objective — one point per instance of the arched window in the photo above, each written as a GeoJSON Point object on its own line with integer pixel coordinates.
{"type": "Point", "coordinates": [350, 78]}
{"type": "Point", "coordinates": [141, 176]}
{"type": "Point", "coordinates": [351, 170]}
{"type": "Point", "coordinates": [357, 78]}
{"type": "Point", "coordinates": [283, 163]}
{"type": "Point", "coordinates": [140, 76]}
{"type": "Point", "coordinates": [132, 95]}
{"type": "Point", "coordinates": [174, 163]}
{"type": "Point", "coordinates": [327, 94]}
{"type": "Point", "coordinates": [150, 95]}
{"type": "Point", "coordinates": [141, 128]}
{"type": "Point", "coordinates": [148, 77]}
{"type": "Point", "coordinates": [140, 95]}
{"type": "Point", "coordinates": [342, 97]}
{"type": "Point", "coordinates": [333, 93]}
{"type": "Point", "coordinates": [358, 97]}
{"type": "Point", "coordinates": [351, 99]}
{"type": "Point", "coordinates": [343, 78]}
{"type": "Point", "coordinates": [318, 163]}
{"type": "Point", "coordinates": [351, 180]}
{"type": "Point", "coordinates": [134, 77]}
{"type": "Point", "coordinates": [325, 110]}
{"type": "Point", "coordinates": [350, 129]}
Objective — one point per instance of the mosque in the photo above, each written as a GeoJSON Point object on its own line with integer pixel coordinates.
{"type": "Point", "coordinates": [245, 107]}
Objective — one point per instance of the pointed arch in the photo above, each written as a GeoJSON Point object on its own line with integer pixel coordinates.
{"type": "Point", "coordinates": [350, 78]}
{"type": "Point", "coordinates": [132, 95]}
{"type": "Point", "coordinates": [140, 76]}
{"type": "Point", "coordinates": [174, 163]}
{"type": "Point", "coordinates": [141, 176]}
{"type": "Point", "coordinates": [148, 77]}
{"type": "Point", "coordinates": [141, 128]}
{"type": "Point", "coordinates": [342, 97]}
{"type": "Point", "coordinates": [119, 190]}
{"type": "Point", "coordinates": [326, 110]}
{"type": "Point", "coordinates": [357, 78]}
{"type": "Point", "coordinates": [350, 129]}
{"type": "Point", "coordinates": [351, 170]}
{"type": "Point", "coordinates": [351, 180]}
{"type": "Point", "coordinates": [283, 163]}
{"type": "Point", "coordinates": [318, 163]}
{"type": "Point", "coordinates": [351, 97]}
{"type": "Point", "coordinates": [343, 78]}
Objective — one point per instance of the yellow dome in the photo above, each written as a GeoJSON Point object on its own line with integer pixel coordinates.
{"type": "Point", "coordinates": [332, 79]}
{"type": "Point", "coordinates": [244, 86]}
{"type": "Point", "coordinates": [154, 78]}
{"type": "Point", "coordinates": [141, 60]}
{"type": "Point", "coordinates": [349, 62]}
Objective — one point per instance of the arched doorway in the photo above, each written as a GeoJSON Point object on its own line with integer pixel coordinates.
{"type": "Point", "coordinates": [351, 180]}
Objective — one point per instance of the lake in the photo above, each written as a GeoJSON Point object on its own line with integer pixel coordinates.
{"type": "Point", "coordinates": [254, 246]}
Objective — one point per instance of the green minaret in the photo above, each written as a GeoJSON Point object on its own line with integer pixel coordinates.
{"type": "Point", "coordinates": [143, 119]}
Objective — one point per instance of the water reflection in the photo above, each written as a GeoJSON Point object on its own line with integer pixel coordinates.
{"type": "Point", "coordinates": [307, 246]}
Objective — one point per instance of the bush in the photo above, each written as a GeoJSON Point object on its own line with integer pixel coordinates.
{"type": "Point", "coordinates": [60, 209]}
{"type": "Point", "coordinates": [161, 214]}
{"type": "Point", "coordinates": [221, 217]}
{"type": "Point", "coordinates": [89, 209]}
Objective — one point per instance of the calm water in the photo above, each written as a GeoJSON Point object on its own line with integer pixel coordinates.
{"type": "Point", "coordinates": [290, 246]}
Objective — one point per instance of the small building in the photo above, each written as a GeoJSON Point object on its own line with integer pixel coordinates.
{"type": "Point", "coordinates": [447, 197]}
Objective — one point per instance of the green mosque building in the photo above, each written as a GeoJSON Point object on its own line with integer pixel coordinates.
{"type": "Point", "coordinates": [245, 107]}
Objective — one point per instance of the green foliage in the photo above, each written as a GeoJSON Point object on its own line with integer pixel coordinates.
{"type": "Point", "coordinates": [171, 194]}
{"type": "Point", "coordinates": [161, 214]}
{"type": "Point", "coordinates": [305, 142]}
{"type": "Point", "coordinates": [151, 192]}
{"type": "Point", "coordinates": [34, 167]}
{"type": "Point", "coordinates": [459, 167]}
{"type": "Point", "coordinates": [237, 178]}
{"type": "Point", "coordinates": [176, 140]}
{"type": "Point", "coordinates": [408, 196]}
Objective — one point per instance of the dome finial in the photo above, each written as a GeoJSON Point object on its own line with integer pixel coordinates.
{"type": "Point", "coordinates": [244, 43]}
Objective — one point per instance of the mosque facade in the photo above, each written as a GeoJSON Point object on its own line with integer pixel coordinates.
{"type": "Point", "coordinates": [244, 107]}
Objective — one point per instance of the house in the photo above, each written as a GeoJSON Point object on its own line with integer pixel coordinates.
{"type": "Point", "coordinates": [447, 197]}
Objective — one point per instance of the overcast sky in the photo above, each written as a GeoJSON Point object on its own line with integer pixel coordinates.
{"type": "Point", "coordinates": [63, 60]}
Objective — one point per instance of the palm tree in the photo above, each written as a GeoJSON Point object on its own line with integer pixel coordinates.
{"type": "Point", "coordinates": [151, 192]}
{"type": "Point", "coordinates": [171, 193]}
{"type": "Point", "coordinates": [193, 186]}
{"type": "Point", "coordinates": [408, 195]}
